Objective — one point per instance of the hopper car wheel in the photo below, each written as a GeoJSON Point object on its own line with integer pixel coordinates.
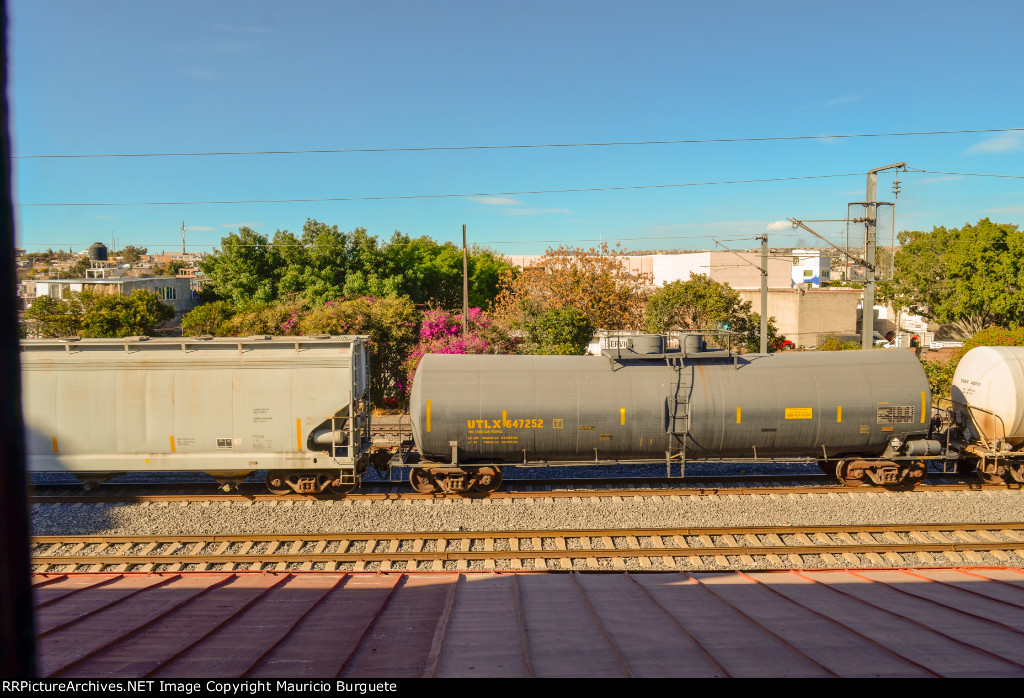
{"type": "Point", "coordinates": [1016, 473]}
{"type": "Point", "coordinates": [341, 489]}
{"type": "Point", "coordinates": [277, 482]}
{"type": "Point", "coordinates": [991, 478]}
{"type": "Point", "coordinates": [490, 480]}
{"type": "Point", "coordinates": [422, 481]}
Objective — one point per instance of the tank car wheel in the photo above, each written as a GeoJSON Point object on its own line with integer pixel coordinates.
{"type": "Point", "coordinates": [851, 473]}
{"type": "Point", "coordinates": [277, 482]}
{"type": "Point", "coordinates": [489, 480]}
{"type": "Point", "coordinates": [422, 481]}
{"type": "Point", "coordinates": [914, 476]}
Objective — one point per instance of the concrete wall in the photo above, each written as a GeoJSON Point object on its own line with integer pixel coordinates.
{"type": "Point", "coordinates": [804, 317]}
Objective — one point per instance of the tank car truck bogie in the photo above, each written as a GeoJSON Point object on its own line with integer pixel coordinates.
{"type": "Point", "coordinates": [863, 416]}
{"type": "Point", "coordinates": [447, 479]}
{"type": "Point", "coordinates": [228, 407]}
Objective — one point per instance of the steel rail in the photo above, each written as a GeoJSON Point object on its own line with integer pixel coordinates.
{"type": "Point", "coordinates": [614, 544]}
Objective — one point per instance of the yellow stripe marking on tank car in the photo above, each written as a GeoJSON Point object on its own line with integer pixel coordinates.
{"type": "Point", "coordinates": [737, 415]}
{"type": "Point", "coordinates": [504, 418]}
{"type": "Point", "coordinates": [54, 438]}
{"type": "Point", "coordinates": [922, 407]}
{"type": "Point", "coordinates": [428, 415]}
{"type": "Point", "coordinates": [622, 416]}
{"type": "Point", "coordinates": [839, 413]}
{"type": "Point", "coordinates": [172, 444]}
{"type": "Point", "coordinates": [298, 433]}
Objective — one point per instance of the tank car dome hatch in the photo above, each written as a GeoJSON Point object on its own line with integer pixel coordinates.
{"type": "Point", "coordinates": [989, 382]}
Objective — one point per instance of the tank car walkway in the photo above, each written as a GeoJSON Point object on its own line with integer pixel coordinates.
{"type": "Point", "coordinates": [894, 623]}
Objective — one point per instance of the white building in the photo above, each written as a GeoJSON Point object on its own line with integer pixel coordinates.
{"type": "Point", "coordinates": [741, 270]}
{"type": "Point", "coordinates": [812, 267]}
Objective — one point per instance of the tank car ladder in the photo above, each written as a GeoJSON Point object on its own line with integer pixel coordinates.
{"type": "Point", "coordinates": [679, 417]}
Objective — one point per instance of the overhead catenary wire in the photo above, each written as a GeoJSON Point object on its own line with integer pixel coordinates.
{"type": "Point", "coordinates": [442, 196]}
{"type": "Point", "coordinates": [489, 243]}
{"type": "Point", "coordinates": [682, 141]}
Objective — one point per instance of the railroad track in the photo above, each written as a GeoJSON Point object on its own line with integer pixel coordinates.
{"type": "Point", "coordinates": [650, 549]}
{"type": "Point", "coordinates": [515, 489]}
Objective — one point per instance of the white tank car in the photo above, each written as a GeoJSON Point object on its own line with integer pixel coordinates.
{"type": "Point", "coordinates": [989, 382]}
{"type": "Point", "coordinates": [294, 406]}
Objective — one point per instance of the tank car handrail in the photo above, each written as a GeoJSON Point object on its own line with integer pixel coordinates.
{"type": "Point", "coordinates": [970, 410]}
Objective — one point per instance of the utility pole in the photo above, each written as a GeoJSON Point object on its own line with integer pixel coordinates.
{"type": "Point", "coordinates": [465, 285]}
{"type": "Point", "coordinates": [764, 294]}
{"type": "Point", "coordinates": [764, 286]}
{"type": "Point", "coordinates": [183, 237]}
{"type": "Point", "coordinates": [867, 327]}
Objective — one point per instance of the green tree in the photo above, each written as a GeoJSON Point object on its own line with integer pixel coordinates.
{"type": "Point", "coordinates": [392, 324]}
{"type": "Point", "coordinates": [561, 331]}
{"type": "Point", "coordinates": [596, 282]}
{"type": "Point", "coordinates": [108, 315]}
{"type": "Point", "coordinates": [130, 254]}
{"type": "Point", "coordinates": [751, 339]}
{"type": "Point", "coordinates": [833, 342]}
{"type": "Point", "coordinates": [209, 318]}
{"type": "Point", "coordinates": [245, 270]}
{"type": "Point", "coordinates": [276, 318]}
{"type": "Point", "coordinates": [969, 277]}
{"type": "Point", "coordinates": [49, 317]}
{"type": "Point", "coordinates": [699, 303]}
{"type": "Point", "coordinates": [315, 264]}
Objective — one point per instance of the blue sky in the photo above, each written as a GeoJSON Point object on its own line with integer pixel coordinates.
{"type": "Point", "coordinates": [106, 77]}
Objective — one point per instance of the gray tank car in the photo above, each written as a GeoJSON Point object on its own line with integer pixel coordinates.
{"type": "Point", "coordinates": [866, 416]}
{"type": "Point", "coordinates": [295, 406]}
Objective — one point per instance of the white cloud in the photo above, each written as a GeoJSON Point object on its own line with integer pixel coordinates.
{"type": "Point", "coordinates": [1014, 210]}
{"type": "Point", "coordinates": [198, 227]}
{"type": "Point", "coordinates": [1003, 143]}
{"type": "Point", "coordinates": [843, 101]}
{"type": "Point", "coordinates": [779, 225]}
{"type": "Point", "coordinates": [496, 200]}
{"type": "Point", "coordinates": [202, 74]}
{"type": "Point", "coordinates": [534, 211]}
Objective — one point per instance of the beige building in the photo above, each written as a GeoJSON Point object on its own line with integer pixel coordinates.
{"type": "Point", "coordinates": [738, 269]}
{"type": "Point", "coordinates": [174, 291]}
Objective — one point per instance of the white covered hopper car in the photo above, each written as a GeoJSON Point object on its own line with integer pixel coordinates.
{"type": "Point", "coordinates": [296, 407]}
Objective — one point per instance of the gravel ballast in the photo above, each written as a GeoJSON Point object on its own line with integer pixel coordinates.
{"type": "Point", "coordinates": [472, 515]}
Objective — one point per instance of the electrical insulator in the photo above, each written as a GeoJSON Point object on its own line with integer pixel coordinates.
{"type": "Point", "coordinates": [896, 188]}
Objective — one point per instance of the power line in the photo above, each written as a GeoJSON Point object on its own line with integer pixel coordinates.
{"type": "Point", "coordinates": [444, 196]}
{"type": "Point", "coordinates": [965, 174]}
{"type": "Point", "coordinates": [271, 243]}
{"type": "Point", "coordinates": [516, 146]}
